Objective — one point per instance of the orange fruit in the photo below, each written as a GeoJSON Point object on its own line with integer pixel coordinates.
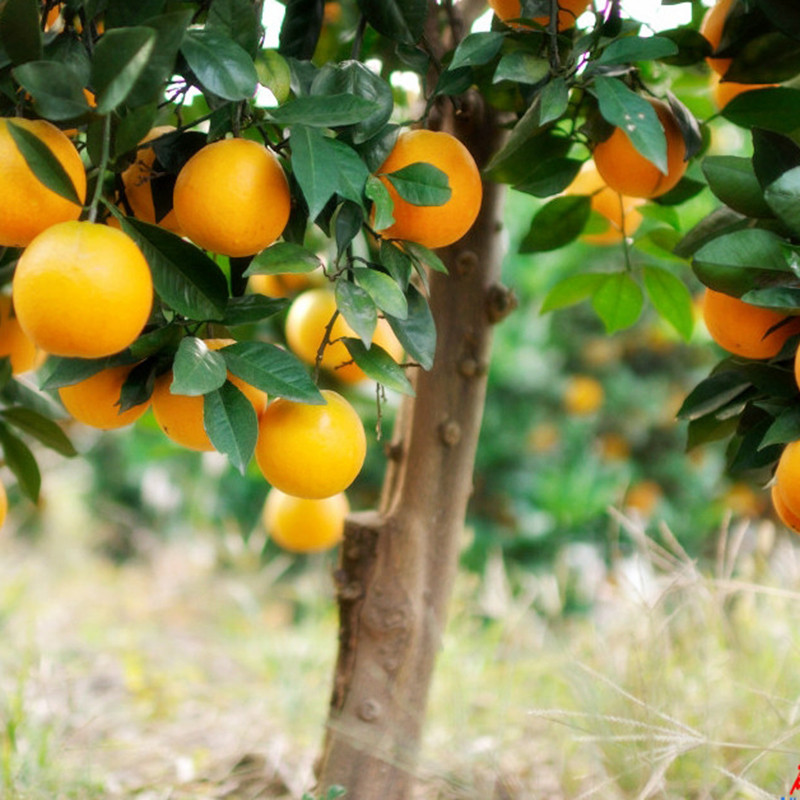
{"type": "Point", "coordinates": [14, 344]}
{"type": "Point", "coordinates": [180, 416]}
{"type": "Point", "coordinates": [434, 226]}
{"type": "Point", "coordinates": [3, 504]}
{"type": "Point", "coordinates": [583, 395]}
{"type": "Point", "coordinates": [232, 197]}
{"type": "Point", "coordinates": [82, 289]}
{"type": "Point", "coordinates": [309, 450]}
{"type": "Point", "coordinates": [29, 207]}
{"type": "Point", "coordinates": [569, 11]}
{"type": "Point", "coordinates": [711, 27]}
{"type": "Point", "coordinates": [138, 190]}
{"type": "Point", "coordinates": [785, 514]}
{"type": "Point", "coordinates": [95, 401]}
{"type": "Point", "coordinates": [628, 172]}
{"type": "Point", "coordinates": [281, 285]}
{"type": "Point", "coordinates": [742, 328]}
{"type": "Point", "coordinates": [620, 211]}
{"type": "Point", "coordinates": [723, 92]}
{"type": "Point", "coordinates": [644, 496]}
{"type": "Point", "coordinates": [302, 525]}
{"type": "Point", "coordinates": [309, 314]}
{"type": "Point", "coordinates": [787, 477]}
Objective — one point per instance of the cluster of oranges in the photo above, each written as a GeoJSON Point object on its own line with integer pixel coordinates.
{"type": "Point", "coordinates": [84, 289]}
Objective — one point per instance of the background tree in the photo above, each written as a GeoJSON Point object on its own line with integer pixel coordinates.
{"type": "Point", "coordinates": [531, 100]}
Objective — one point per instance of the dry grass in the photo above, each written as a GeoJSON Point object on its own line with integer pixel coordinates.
{"type": "Point", "coordinates": [171, 677]}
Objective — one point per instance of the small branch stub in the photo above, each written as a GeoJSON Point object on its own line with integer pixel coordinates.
{"type": "Point", "coordinates": [466, 263]}
{"type": "Point", "coordinates": [450, 433]}
{"type": "Point", "coordinates": [369, 710]}
{"type": "Point", "coordinates": [500, 302]}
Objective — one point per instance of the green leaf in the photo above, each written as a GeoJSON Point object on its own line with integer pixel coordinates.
{"type": "Point", "coordinates": [120, 57]}
{"type": "Point", "coordinates": [738, 262]}
{"type": "Point", "coordinates": [184, 277]}
{"type": "Point", "coordinates": [384, 291]}
{"type": "Point", "coordinates": [231, 423]}
{"type": "Point", "coordinates": [379, 365]}
{"type": "Point", "coordinates": [785, 428]}
{"type": "Point", "coordinates": [221, 65]}
{"type": "Point", "coordinates": [274, 73]}
{"type": "Point", "coordinates": [783, 197]}
{"type": "Point", "coordinates": [772, 57]}
{"type": "Point", "coordinates": [553, 100]}
{"type": "Point", "coordinates": [618, 301]}
{"type": "Point", "coordinates": [382, 203]}
{"type": "Point", "coordinates": [417, 332]}
{"type": "Point", "coordinates": [635, 116]}
{"type": "Point", "coordinates": [325, 167]}
{"type": "Point", "coordinates": [629, 49]}
{"type": "Point", "coordinates": [302, 24]}
{"type": "Point", "coordinates": [671, 299]}
{"type": "Point", "coordinates": [357, 308]}
{"type": "Point", "coordinates": [521, 67]}
{"type": "Point", "coordinates": [238, 20]}
{"type": "Point", "coordinates": [572, 290]}
{"type": "Point", "coordinates": [40, 428]}
{"type": "Point", "coordinates": [421, 184]}
{"type": "Point", "coordinates": [718, 222]}
{"type": "Point", "coordinates": [283, 257]}
{"type": "Point", "coordinates": [550, 177]}
{"type": "Point", "coordinates": [58, 371]}
{"type": "Point", "coordinates": [425, 257]}
{"type": "Point", "coordinates": [400, 20]}
{"type": "Point", "coordinates": [346, 223]}
{"type": "Point", "coordinates": [323, 111]}
{"type": "Point", "coordinates": [20, 34]}
{"type": "Point", "coordinates": [557, 223]}
{"type": "Point", "coordinates": [252, 308]}
{"type": "Point", "coordinates": [352, 78]}
{"type": "Point", "coordinates": [21, 462]}
{"type": "Point", "coordinates": [398, 264]}
{"type": "Point", "coordinates": [477, 48]}
{"type": "Point", "coordinates": [733, 180]}
{"type": "Point", "coordinates": [773, 109]}
{"type": "Point", "coordinates": [122, 13]}
{"type": "Point", "coordinates": [44, 165]}
{"type": "Point", "coordinates": [712, 394]}
{"type": "Point", "coordinates": [196, 369]}
{"type": "Point", "coordinates": [273, 370]}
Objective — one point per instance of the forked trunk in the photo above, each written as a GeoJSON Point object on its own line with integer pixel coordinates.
{"type": "Point", "coordinates": [398, 563]}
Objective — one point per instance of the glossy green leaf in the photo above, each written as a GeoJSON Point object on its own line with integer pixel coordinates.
{"type": "Point", "coordinates": [283, 257]}
{"type": "Point", "coordinates": [274, 73]}
{"type": "Point", "coordinates": [252, 308]}
{"type": "Point", "coordinates": [55, 89]}
{"type": "Point", "coordinates": [379, 365]}
{"type": "Point", "coordinates": [184, 277]}
{"type": "Point", "coordinates": [785, 428]}
{"type": "Point", "coordinates": [20, 460]}
{"type": "Point", "coordinates": [733, 180]}
{"type": "Point", "coordinates": [398, 264]}
{"type": "Point", "coordinates": [221, 65]}
{"type": "Point", "coordinates": [196, 369]}
{"type": "Point", "coordinates": [521, 67]}
{"type": "Point", "coordinates": [273, 370]}
{"type": "Point", "coordinates": [231, 423]}
{"type": "Point", "coordinates": [44, 165]}
{"type": "Point", "coordinates": [40, 427]}
{"type": "Point", "coordinates": [618, 301]}
{"type": "Point", "coordinates": [635, 116]}
{"type": "Point", "coordinates": [238, 20]}
{"type": "Point", "coordinates": [783, 197]}
{"type": "Point", "coordinates": [557, 223]}
{"type": "Point", "coordinates": [477, 48]}
{"type": "Point", "coordinates": [424, 256]}
{"type": "Point", "coordinates": [670, 298]}
{"type": "Point", "coordinates": [421, 184]}
{"type": "Point", "coordinates": [122, 13]}
{"type": "Point", "coordinates": [384, 291]}
{"type": "Point", "coordinates": [417, 332]}
{"type": "Point", "coordinates": [712, 394]}
{"type": "Point", "coordinates": [400, 20]}
{"type": "Point", "coordinates": [357, 308]}
{"type": "Point", "coordinates": [629, 49]}
{"type": "Point", "coordinates": [550, 177]}
{"type": "Point", "coordinates": [774, 109]}
{"type": "Point", "coordinates": [572, 290]}
{"type": "Point", "coordinates": [382, 203]}
{"type": "Point", "coordinates": [20, 34]}
{"type": "Point", "coordinates": [119, 59]}
{"type": "Point", "coordinates": [553, 100]}
{"type": "Point", "coordinates": [58, 371]}
{"type": "Point", "coordinates": [323, 111]}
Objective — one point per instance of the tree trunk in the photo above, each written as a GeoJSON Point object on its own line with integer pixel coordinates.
{"type": "Point", "coordinates": [398, 563]}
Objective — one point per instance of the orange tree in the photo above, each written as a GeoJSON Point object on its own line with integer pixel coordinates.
{"type": "Point", "coordinates": [144, 179]}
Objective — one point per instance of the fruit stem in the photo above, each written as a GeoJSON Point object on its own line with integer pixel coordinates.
{"type": "Point", "coordinates": [101, 168]}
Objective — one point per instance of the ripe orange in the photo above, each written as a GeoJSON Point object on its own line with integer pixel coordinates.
{"type": "Point", "coordinates": [583, 395]}
{"type": "Point", "coordinates": [569, 11]}
{"type": "Point", "coordinates": [741, 328]}
{"type": "Point", "coordinates": [785, 514]}
{"type": "Point", "coordinates": [232, 198]}
{"type": "Point", "coordinates": [95, 401]}
{"type": "Point", "coordinates": [29, 207]}
{"type": "Point", "coordinates": [723, 92]}
{"type": "Point", "coordinates": [138, 190]}
{"type": "Point", "coordinates": [787, 477]}
{"type": "Point", "coordinates": [3, 504]}
{"type": "Point", "coordinates": [711, 27]}
{"type": "Point", "coordinates": [644, 496]}
{"type": "Point", "coordinates": [620, 211]}
{"type": "Point", "coordinates": [628, 172]}
{"type": "Point", "coordinates": [82, 289]}
{"type": "Point", "coordinates": [302, 525]}
{"type": "Point", "coordinates": [180, 416]}
{"type": "Point", "coordinates": [306, 321]}
{"type": "Point", "coordinates": [434, 226]}
{"type": "Point", "coordinates": [14, 344]}
{"type": "Point", "coordinates": [311, 451]}
{"type": "Point", "coordinates": [282, 285]}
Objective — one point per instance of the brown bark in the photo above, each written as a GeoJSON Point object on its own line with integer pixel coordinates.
{"type": "Point", "coordinates": [398, 563]}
